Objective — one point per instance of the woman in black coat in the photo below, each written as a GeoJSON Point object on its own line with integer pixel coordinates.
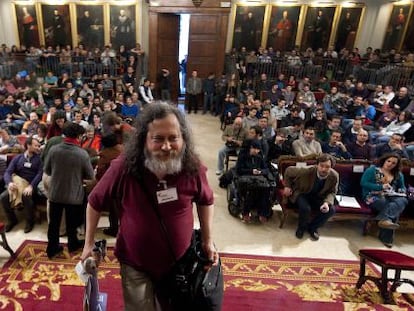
{"type": "Point", "coordinates": [250, 163]}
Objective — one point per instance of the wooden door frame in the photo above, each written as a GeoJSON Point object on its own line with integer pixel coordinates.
{"type": "Point", "coordinates": [153, 31]}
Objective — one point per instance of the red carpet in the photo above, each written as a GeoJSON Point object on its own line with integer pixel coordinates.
{"type": "Point", "coordinates": [33, 282]}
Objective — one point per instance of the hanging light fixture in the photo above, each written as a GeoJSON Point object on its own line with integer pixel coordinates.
{"type": "Point", "coordinates": [197, 3]}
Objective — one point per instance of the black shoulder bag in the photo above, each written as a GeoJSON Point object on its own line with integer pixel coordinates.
{"type": "Point", "coordinates": [189, 285]}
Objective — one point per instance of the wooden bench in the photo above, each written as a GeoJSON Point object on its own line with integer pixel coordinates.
{"type": "Point", "coordinates": [350, 173]}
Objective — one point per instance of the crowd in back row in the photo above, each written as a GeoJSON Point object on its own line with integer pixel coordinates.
{"type": "Point", "coordinates": [348, 122]}
{"type": "Point", "coordinates": [66, 58]}
{"type": "Point", "coordinates": [244, 61]}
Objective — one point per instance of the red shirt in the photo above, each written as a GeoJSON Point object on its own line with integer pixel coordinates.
{"type": "Point", "coordinates": [141, 243]}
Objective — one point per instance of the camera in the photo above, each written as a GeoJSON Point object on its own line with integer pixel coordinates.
{"type": "Point", "coordinates": [100, 249]}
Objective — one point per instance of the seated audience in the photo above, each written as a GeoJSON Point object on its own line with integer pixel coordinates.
{"type": "Point", "coordinates": [335, 147]}
{"type": "Point", "coordinates": [394, 145]}
{"type": "Point", "coordinates": [312, 189]}
{"type": "Point", "coordinates": [398, 126]}
{"type": "Point", "coordinates": [251, 162]}
{"type": "Point", "coordinates": [279, 145]}
{"type": "Point", "coordinates": [381, 185]}
{"type": "Point", "coordinates": [360, 149]}
{"type": "Point", "coordinates": [91, 140]}
{"type": "Point", "coordinates": [307, 144]}
{"type": "Point", "coordinates": [256, 132]}
{"type": "Point", "coordinates": [400, 101]}
{"type": "Point", "coordinates": [9, 143]}
{"type": "Point", "coordinates": [21, 178]}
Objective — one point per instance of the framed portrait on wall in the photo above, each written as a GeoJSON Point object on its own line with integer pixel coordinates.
{"type": "Point", "coordinates": [56, 24]}
{"type": "Point", "coordinates": [408, 43]}
{"type": "Point", "coordinates": [90, 24]}
{"type": "Point", "coordinates": [396, 27]}
{"type": "Point", "coordinates": [248, 27]}
{"type": "Point", "coordinates": [27, 25]}
{"type": "Point", "coordinates": [347, 29]}
{"type": "Point", "coordinates": [318, 27]}
{"type": "Point", "coordinates": [123, 25]}
{"type": "Point", "coordinates": [283, 27]}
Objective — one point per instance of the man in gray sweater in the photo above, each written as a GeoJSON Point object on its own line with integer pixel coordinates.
{"type": "Point", "coordinates": [68, 166]}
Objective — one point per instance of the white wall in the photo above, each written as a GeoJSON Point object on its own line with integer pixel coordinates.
{"type": "Point", "coordinates": [375, 23]}
{"type": "Point", "coordinates": [7, 32]}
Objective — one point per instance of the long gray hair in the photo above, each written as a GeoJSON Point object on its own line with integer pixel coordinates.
{"type": "Point", "coordinates": [134, 151]}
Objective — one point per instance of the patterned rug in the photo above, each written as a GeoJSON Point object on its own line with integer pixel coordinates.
{"type": "Point", "coordinates": [33, 282]}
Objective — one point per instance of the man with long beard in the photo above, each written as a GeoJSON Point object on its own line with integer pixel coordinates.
{"type": "Point", "coordinates": [159, 171]}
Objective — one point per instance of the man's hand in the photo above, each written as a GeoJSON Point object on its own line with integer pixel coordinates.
{"type": "Point", "coordinates": [28, 191]}
{"type": "Point", "coordinates": [324, 208]}
{"type": "Point", "coordinates": [87, 251]}
{"type": "Point", "coordinates": [12, 187]}
{"type": "Point", "coordinates": [279, 139]}
{"type": "Point", "coordinates": [341, 145]}
{"type": "Point", "coordinates": [256, 171]}
{"type": "Point", "coordinates": [211, 252]}
{"type": "Point", "coordinates": [287, 192]}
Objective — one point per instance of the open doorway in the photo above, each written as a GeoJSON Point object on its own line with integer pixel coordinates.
{"type": "Point", "coordinates": [183, 49]}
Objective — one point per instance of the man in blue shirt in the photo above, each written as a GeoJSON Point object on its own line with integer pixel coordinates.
{"type": "Point", "coordinates": [129, 109]}
{"type": "Point", "coordinates": [335, 147]}
{"type": "Point", "coordinates": [21, 178]}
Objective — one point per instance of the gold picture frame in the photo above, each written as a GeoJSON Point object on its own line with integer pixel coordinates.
{"type": "Point", "coordinates": [408, 42]}
{"type": "Point", "coordinates": [347, 27]}
{"type": "Point", "coordinates": [26, 23]}
{"type": "Point", "coordinates": [90, 24]}
{"type": "Point", "coordinates": [283, 27]}
{"type": "Point", "coordinates": [318, 27]}
{"type": "Point", "coordinates": [123, 28]}
{"type": "Point", "coordinates": [55, 24]}
{"type": "Point", "coordinates": [397, 26]}
{"type": "Point", "coordinates": [248, 26]}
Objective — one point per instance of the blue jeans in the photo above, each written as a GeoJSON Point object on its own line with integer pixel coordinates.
{"type": "Point", "coordinates": [388, 208]}
{"type": "Point", "coordinates": [221, 156]}
{"type": "Point", "coordinates": [307, 203]}
{"type": "Point", "coordinates": [410, 151]}
{"type": "Point", "coordinates": [208, 102]}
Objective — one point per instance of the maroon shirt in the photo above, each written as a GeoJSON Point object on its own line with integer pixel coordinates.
{"type": "Point", "coordinates": [141, 242]}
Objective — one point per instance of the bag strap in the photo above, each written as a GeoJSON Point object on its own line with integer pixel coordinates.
{"type": "Point", "coordinates": [154, 206]}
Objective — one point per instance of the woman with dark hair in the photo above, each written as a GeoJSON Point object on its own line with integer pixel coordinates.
{"type": "Point", "coordinates": [55, 129]}
{"type": "Point", "coordinates": [399, 126]}
{"type": "Point", "coordinates": [383, 189]}
{"type": "Point", "coordinates": [250, 162]}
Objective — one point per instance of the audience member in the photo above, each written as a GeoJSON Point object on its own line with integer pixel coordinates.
{"type": "Point", "coordinates": [379, 186]}
{"type": "Point", "coordinates": [335, 147]}
{"type": "Point", "coordinates": [401, 101]}
{"type": "Point", "coordinates": [306, 145]}
{"type": "Point", "coordinates": [21, 179]}
{"type": "Point", "coordinates": [312, 189]}
{"type": "Point", "coordinates": [394, 145]}
{"type": "Point", "coordinates": [251, 162]}
{"type": "Point", "coordinates": [359, 148]}
{"type": "Point", "coordinates": [66, 191]}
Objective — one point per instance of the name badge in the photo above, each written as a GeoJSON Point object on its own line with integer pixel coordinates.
{"type": "Point", "coordinates": [27, 164]}
{"type": "Point", "coordinates": [168, 195]}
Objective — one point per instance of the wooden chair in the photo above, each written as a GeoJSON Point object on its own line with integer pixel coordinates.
{"type": "Point", "coordinates": [3, 241]}
{"type": "Point", "coordinates": [387, 260]}
{"type": "Point", "coordinates": [231, 156]}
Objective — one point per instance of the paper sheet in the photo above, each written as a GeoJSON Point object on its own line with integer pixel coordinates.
{"type": "Point", "coordinates": [346, 201]}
